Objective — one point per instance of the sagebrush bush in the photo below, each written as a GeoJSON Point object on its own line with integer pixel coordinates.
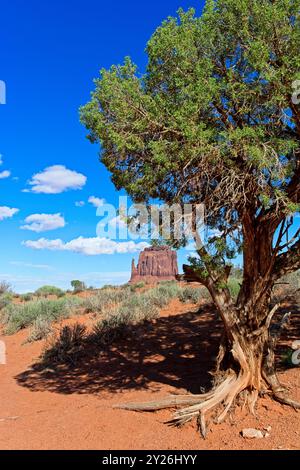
{"type": "Point", "coordinates": [15, 317]}
{"type": "Point", "coordinates": [134, 310]}
{"type": "Point", "coordinates": [41, 328]}
{"type": "Point", "coordinates": [105, 298]}
{"type": "Point", "coordinates": [27, 297]}
{"type": "Point", "coordinates": [5, 287]}
{"type": "Point", "coordinates": [191, 295]}
{"type": "Point", "coordinates": [138, 285]}
{"type": "Point", "coordinates": [234, 286]}
{"type": "Point", "coordinates": [44, 291]}
{"type": "Point", "coordinates": [5, 299]}
{"type": "Point", "coordinates": [67, 346]}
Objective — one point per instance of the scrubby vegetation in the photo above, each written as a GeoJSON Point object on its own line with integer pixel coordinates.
{"type": "Point", "coordinates": [106, 299]}
{"type": "Point", "coordinates": [117, 309]}
{"type": "Point", "coordinates": [192, 295]}
{"type": "Point", "coordinates": [45, 291]}
{"type": "Point", "coordinates": [78, 286]}
{"type": "Point", "coordinates": [36, 313]}
{"type": "Point", "coordinates": [27, 297]}
{"type": "Point", "coordinates": [4, 287]}
{"type": "Point", "coordinates": [66, 347]}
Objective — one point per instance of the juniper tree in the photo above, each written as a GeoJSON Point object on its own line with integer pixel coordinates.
{"type": "Point", "coordinates": [213, 120]}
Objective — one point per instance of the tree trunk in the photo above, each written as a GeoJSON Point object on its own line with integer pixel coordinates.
{"type": "Point", "coordinates": [246, 361]}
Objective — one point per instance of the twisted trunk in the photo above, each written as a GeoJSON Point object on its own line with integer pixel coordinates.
{"type": "Point", "coordinates": [246, 361]}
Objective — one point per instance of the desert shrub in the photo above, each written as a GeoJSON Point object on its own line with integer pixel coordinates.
{"type": "Point", "coordinates": [49, 290]}
{"type": "Point", "coordinates": [27, 297]}
{"type": "Point", "coordinates": [138, 308]}
{"type": "Point", "coordinates": [67, 346]}
{"type": "Point", "coordinates": [5, 299]}
{"type": "Point", "coordinates": [104, 299]}
{"type": "Point", "coordinates": [138, 285]}
{"type": "Point", "coordinates": [134, 310]}
{"type": "Point", "coordinates": [191, 295]}
{"type": "Point", "coordinates": [167, 283]}
{"type": "Point", "coordinates": [110, 330]}
{"type": "Point", "coordinates": [78, 286]}
{"type": "Point", "coordinates": [163, 293]}
{"type": "Point", "coordinates": [5, 287]}
{"type": "Point", "coordinates": [234, 286]}
{"type": "Point", "coordinates": [108, 287]}
{"type": "Point", "coordinates": [16, 317]}
{"type": "Point", "coordinates": [41, 328]}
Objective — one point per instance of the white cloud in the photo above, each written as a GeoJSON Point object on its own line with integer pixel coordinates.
{"type": "Point", "coordinates": [79, 203]}
{"type": "Point", "coordinates": [87, 246]}
{"type": "Point", "coordinates": [96, 201]}
{"type": "Point", "coordinates": [7, 212]}
{"type": "Point", "coordinates": [4, 174]}
{"type": "Point", "coordinates": [55, 180]}
{"type": "Point", "coordinates": [30, 265]}
{"type": "Point", "coordinates": [43, 222]}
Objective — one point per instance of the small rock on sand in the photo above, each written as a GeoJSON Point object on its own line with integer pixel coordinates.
{"type": "Point", "coordinates": [252, 434]}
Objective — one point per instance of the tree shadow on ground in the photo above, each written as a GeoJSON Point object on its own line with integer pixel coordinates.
{"type": "Point", "coordinates": [178, 351]}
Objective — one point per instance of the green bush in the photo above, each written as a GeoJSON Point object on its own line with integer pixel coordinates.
{"type": "Point", "coordinates": [67, 347]}
{"type": "Point", "coordinates": [27, 297]}
{"type": "Point", "coordinates": [5, 287]}
{"type": "Point", "coordinates": [104, 299]}
{"type": "Point", "coordinates": [138, 285]}
{"type": "Point", "coordinates": [234, 286]}
{"type": "Point", "coordinates": [15, 317]}
{"type": "Point", "coordinates": [191, 295]}
{"type": "Point", "coordinates": [5, 299]}
{"type": "Point", "coordinates": [41, 328]}
{"type": "Point", "coordinates": [78, 286]}
{"type": "Point", "coordinates": [49, 290]}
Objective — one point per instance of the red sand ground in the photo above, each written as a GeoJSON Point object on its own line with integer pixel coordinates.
{"type": "Point", "coordinates": [72, 408]}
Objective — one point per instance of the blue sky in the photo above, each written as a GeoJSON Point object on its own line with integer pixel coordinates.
{"type": "Point", "coordinates": [50, 53]}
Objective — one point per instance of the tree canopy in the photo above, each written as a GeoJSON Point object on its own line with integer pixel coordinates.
{"type": "Point", "coordinates": [213, 120]}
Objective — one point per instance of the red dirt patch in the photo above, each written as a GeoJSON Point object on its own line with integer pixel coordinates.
{"type": "Point", "coordinates": [71, 407]}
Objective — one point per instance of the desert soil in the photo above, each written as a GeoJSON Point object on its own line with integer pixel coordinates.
{"type": "Point", "coordinates": [72, 407]}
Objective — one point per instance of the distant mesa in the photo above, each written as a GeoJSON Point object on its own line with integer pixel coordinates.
{"type": "Point", "coordinates": [155, 264]}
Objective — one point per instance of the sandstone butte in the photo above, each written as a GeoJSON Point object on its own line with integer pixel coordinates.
{"type": "Point", "coordinates": [155, 264]}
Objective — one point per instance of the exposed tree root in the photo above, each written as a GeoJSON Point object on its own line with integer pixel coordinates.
{"type": "Point", "coordinates": [284, 400]}
{"type": "Point", "coordinates": [170, 402]}
{"type": "Point", "coordinates": [247, 383]}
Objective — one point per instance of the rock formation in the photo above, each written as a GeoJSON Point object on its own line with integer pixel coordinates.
{"type": "Point", "coordinates": [155, 264]}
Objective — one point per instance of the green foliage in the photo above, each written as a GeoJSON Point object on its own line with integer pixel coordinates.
{"type": "Point", "coordinates": [5, 299]}
{"type": "Point", "coordinates": [213, 109]}
{"type": "Point", "coordinates": [105, 299]}
{"type": "Point", "coordinates": [45, 291]}
{"type": "Point", "coordinates": [27, 297]}
{"type": "Point", "coordinates": [78, 286]}
{"type": "Point", "coordinates": [5, 287]}
{"type": "Point", "coordinates": [15, 317]}
{"type": "Point", "coordinates": [41, 328]}
{"type": "Point", "coordinates": [191, 295]}
{"type": "Point", "coordinates": [139, 285]}
{"type": "Point", "coordinates": [234, 286]}
{"type": "Point", "coordinates": [67, 347]}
